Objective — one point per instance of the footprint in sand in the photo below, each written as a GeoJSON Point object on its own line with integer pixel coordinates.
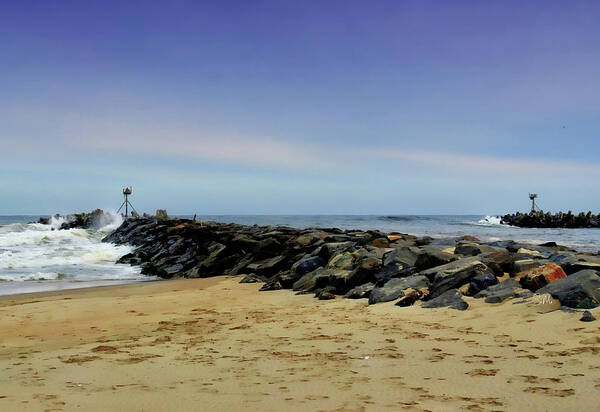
{"type": "Point", "coordinates": [482, 372]}
{"type": "Point", "coordinates": [561, 393]}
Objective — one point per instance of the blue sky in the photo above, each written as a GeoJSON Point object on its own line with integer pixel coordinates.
{"type": "Point", "coordinates": [299, 107]}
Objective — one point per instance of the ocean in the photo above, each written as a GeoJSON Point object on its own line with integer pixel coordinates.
{"type": "Point", "coordinates": [36, 257]}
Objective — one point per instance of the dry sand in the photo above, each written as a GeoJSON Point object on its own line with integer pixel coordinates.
{"type": "Point", "coordinates": [215, 344]}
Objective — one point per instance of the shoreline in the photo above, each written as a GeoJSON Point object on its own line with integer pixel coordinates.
{"type": "Point", "coordinates": [57, 292]}
{"type": "Point", "coordinates": [219, 343]}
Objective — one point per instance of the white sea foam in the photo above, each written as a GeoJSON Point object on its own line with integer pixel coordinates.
{"type": "Point", "coordinates": [40, 252]}
{"type": "Point", "coordinates": [109, 222]}
{"type": "Point", "coordinates": [490, 221]}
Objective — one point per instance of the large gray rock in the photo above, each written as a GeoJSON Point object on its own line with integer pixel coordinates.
{"type": "Point", "coordinates": [587, 317]}
{"type": "Point", "coordinates": [364, 272]}
{"type": "Point", "coordinates": [449, 299]}
{"type": "Point", "coordinates": [395, 288]}
{"type": "Point", "coordinates": [481, 282]}
{"type": "Point", "coordinates": [507, 289]}
{"type": "Point", "coordinates": [522, 265]}
{"type": "Point", "coordinates": [501, 261]}
{"type": "Point", "coordinates": [216, 251]}
{"type": "Point", "coordinates": [403, 256]}
{"type": "Point", "coordinates": [239, 266]}
{"type": "Point", "coordinates": [329, 249]}
{"type": "Point", "coordinates": [453, 275]}
{"type": "Point", "coordinates": [319, 278]}
{"type": "Point", "coordinates": [360, 292]}
{"type": "Point", "coordinates": [473, 249]}
{"type": "Point", "coordinates": [303, 266]}
{"type": "Point", "coordinates": [344, 261]}
{"type": "Point", "coordinates": [575, 263]}
{"type": "Point", "coordinates": [580, 290]}
{"type": "Point", "coordinates": [307, 264]}
{"type": "Point", "coordinates": [307, 239]}
{"type": "Point", "coordinates": [266, 267]}
{"type": "Point", "coordinates": [431, 257]}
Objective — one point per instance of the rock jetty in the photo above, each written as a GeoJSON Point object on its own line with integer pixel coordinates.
{"type": "Point", "coordinates": [356, 264]}
{"type": "Point", "coordinates": [92, 220]}
{"type": "Point", "coordinates": [540, 219]}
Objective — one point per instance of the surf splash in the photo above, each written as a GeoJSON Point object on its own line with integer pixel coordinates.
{"type": "Point", "coordinates": [490, 221]}
{"type": "Point", "coordinates": [41, 252]}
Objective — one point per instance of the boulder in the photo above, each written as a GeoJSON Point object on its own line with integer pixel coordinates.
{"type": "Point", "coordinates": [507, 289]}
{"type": "Point", "coordinates": [307, 264]}
{"type": "Point", "coordinates": [500, 262]}
{"type": "Point", "coordinates": [402, 256]}
{"type": "Point", "coordinates": [382, 242]}
{"type": "Point", "coordinates": [316, 279]}
{"type": "Point", "coordinates": [251, 278]}
{"type": "Point", "coordinates": [522, 265]}
{"type": "Point", "coordinates": [394, 288]}
{"type": "Point", "coordinates": [161, 214]}
{"type": "Point", "coordinates": [266, 267]}
{"type": "Point", "coordinates": [364, 272]}
{"type": "Point", "coordinates": [271, 284]}
{"type": "Point", "coordinates": [326, 293]}
{"type": "Point", "coordinates": [330, 249]}
{"type": "Point", "coordinates": [450, 299]}
{"type": "Point", "coordinates": [410, 296]}
{"type": "Point", "coordinates": [344, 261]}
{"type": "Point", "coordinates": [307, 239]}
{"type": "Point", "coordinates": [587, 317]}
{"type": "Point", "coordinates": [267, 247]}
{"type": "Point", "coordinates": [472, 249]}
{"type": "Point", "coordinates": [481, 282]}
{"type": "Point", "coordinates": [239, 266]}
{"type": "Point", "coordinates": [453, 275]}
{"type": "Point", "coordinates": [536, 278]}
{"type": "Point", "coordinates": [216, 251]}
{"type": "Point", "coordinates": [575, 263]}
{"type": "Point", "coordinates": [360, 292]}
{"type": "Point", "coordinates": [431, 257]}
{"type": "Point", "coordinates": [579, 290]}
{"type": "Point", "coordinates": [525, 251]}
{"type": "Point", "coordinates": [423, 241]}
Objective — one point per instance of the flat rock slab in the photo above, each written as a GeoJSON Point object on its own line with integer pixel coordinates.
{"type": "Point", "coordinates": [360, 292]}
{"type": "Point", "coordinates": [394, 288]}
{"type": "Point", "coordinates": [580, 290]}
{"type": "Point", "coordinates": [454, 274]}
{"type": "Point", "coordinates": [449, 299]}
{"type": "Point", "coordinates": [508, 289]}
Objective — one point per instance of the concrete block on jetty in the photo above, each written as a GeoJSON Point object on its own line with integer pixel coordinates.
{"type": "Point", "coordinates": [540, 219]}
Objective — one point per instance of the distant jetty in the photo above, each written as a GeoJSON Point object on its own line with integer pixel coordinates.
{"type": "Point", "coordinates": [539, 219]}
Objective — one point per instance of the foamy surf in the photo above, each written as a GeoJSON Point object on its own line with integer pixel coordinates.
{"type": "Point", "coordinates": [41, 253]}
{"type": "Point", "coordinates": [490, 221]}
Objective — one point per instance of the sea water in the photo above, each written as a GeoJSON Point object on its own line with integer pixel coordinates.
{"type": "Point", "coordinates": [486, 228]}
{"type": "Point", "coordinates": [37, 257]}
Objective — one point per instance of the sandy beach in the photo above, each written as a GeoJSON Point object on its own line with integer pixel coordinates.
{"type": "Point", "coordinates": [216, 344]}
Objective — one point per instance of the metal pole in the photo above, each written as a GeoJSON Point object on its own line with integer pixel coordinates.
{"type": "Point", "coordinates": [126, 205]}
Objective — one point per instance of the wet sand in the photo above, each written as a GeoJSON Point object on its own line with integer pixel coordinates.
{"type": "Point", "coordinates": [215, 344]}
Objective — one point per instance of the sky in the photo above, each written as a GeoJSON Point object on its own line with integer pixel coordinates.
{"type": "Point", "coordinates": [299, 107]}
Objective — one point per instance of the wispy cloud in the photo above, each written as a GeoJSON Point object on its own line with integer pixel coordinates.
{"type": "Point", "coordinates": [83, 135]}
{"type": "Point", "coordinates": [489, 164]}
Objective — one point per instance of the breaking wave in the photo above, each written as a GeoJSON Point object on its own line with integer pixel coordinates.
{"type": "Point", "coordinates": [393, 218]}
{"type": "Point", "coordinates": [38, 252]}
{"type": "Point", "coordinates": [490, 221]}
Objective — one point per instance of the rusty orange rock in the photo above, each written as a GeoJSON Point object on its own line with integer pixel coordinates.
{"type": "Point", "coordinates": [538, 277]}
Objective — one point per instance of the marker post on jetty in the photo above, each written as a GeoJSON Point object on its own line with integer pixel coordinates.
{"type": "Point", "coordinates": [126, 192]}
